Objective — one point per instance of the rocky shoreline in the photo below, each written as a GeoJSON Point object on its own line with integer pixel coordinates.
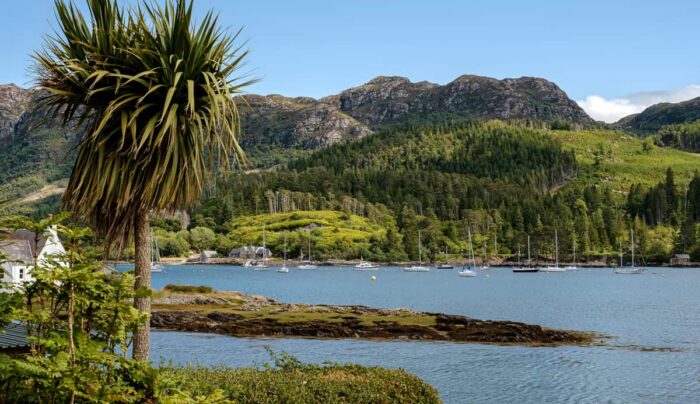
{"type": "Point", "coordinates": [241, 315]}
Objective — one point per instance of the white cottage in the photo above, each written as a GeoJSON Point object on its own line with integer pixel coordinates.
{"type": "Point", "coordinates": [20, 250]}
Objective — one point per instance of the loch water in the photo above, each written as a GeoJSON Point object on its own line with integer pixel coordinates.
{"type": "Point", "coordinates": [653, 319]}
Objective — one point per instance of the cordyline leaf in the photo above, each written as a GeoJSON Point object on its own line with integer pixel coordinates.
{"type": "Point", "coordinates": [155, 91]}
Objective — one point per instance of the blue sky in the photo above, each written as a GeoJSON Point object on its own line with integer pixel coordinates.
{"type": "Point", "coordinates": [602, 53]}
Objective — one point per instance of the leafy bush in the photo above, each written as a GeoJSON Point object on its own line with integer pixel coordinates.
{"type": "Point", "coordinates": [187, 288]}
{"type": "Point", "coordinates": [290, 381]}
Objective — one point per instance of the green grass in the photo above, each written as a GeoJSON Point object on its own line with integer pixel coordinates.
{"type": "Point", "coordinates": [290, 381]}
{"type": "Point", "coordinates": [624, 160]}
{"type": "Point", "coordinates": [332, 232]}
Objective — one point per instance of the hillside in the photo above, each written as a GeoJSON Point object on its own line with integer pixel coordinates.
{"type": "Point", "coordinates": [657, 116]}
{"type": "Point", "coordinates": [306, 123]}
{"type": "Point", "coordinates": [37, 155]}
{"type": "Point", "coordinates": [617, 160]}
{"type": "Point", "coordinates": [331, 234]}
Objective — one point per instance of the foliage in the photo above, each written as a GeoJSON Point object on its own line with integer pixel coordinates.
{"type": "Point", "coordinates": [682, 136]}
{"type": "Point", "coordinates": [290, 381]}
{"type": "Point", "coordinates": [331, 234]}
{"type": "Point", "coordinates": [188, 288]}
{"type": "Point", "coordinates": [202, 238]}
{"type": "Point", "coordinates": [156, 95]}
{"type": "Point", "coordinates": [80, 319]}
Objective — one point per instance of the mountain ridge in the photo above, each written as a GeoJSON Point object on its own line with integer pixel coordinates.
{"type": "Point", "coordinates": [659, 115]}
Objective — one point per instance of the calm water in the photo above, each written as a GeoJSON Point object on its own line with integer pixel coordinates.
{"type": "Point", "coordinates": [659, 309]}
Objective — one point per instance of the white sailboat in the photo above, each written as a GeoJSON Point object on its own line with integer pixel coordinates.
{"type": "Point", "coordinates": [529, 267]}
{"type": "Point", "coordinates": [365, 266]}
{"type": "Point", "coordinates": [484, 261]}
{"type": "Point", "coordinates": [555, 268]}
{"type": "Point", "coordinates": [419, 267]}
{"type": "Point", "coordinates": [573, 266]}
{"type": "Point", "coordinates": [262, 266]}
{"type": "Point", "coordinates": [283, 269]}
{"type": "Point", "coordinates": [156, 266]}
{"type": "Point", "coordinates": [631, 270]}
{"type": "Point", "coordinates": [467, 271]}
{"type": "Point", "coordinates": [308, 264]}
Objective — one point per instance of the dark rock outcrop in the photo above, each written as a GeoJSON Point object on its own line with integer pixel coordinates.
{"type": "Point", "coordinates": [447, 328]}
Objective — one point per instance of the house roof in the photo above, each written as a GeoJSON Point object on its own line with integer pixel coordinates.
{"type": "Point", "coordinates": [30, 237]}
{"type": "Point", "coordinates": [14, 336]}
{"type": "Point", "coordinates": [21, 245]}
{"type": "Point", "coordinates": [682, 256]}
{"type": "Point", "coordinates": [17, 250]}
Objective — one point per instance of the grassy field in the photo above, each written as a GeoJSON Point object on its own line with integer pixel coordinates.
{"type": "Point", "coordinates": [625, 160]}
{"type": "Point", "coordinates": [330, 231]}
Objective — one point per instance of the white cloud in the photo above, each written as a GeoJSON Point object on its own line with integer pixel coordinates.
{"type": "Point", "coordinates": [613, 109]}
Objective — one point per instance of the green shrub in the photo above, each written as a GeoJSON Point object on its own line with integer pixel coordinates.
{"type": "Point", "coordinates": [294, 382]}
{"type": "Point", "coordinates": [188, 288]}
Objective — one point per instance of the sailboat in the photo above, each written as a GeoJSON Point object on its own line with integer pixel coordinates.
{"type": "Point", "coordinates": [283, 269]}
{"type": "Point", "coordinates": [262, 266]}
{"type": "Point", "coordinates": [156, 266]}
{"type": "Point", "coordinates": [446, 264]}
{"type": "Point", "coordinates": [308, 264]}
{"type": "Point", "coordinates": [467, 271]}
{"type": "Point", "coordinates": [529, 267]}
{"type": "Point", "coordinates": [573, 266]}
{"type": "Point", "coordinates": [484, 261]}
{"type": "Point", "coordinates": [631, 270]}
{"type": "Point", "coordinates": [419, 267]}
{"type": "Point", "coordinates": [365, 266]}
{"type": "Point", "coordinates": [555, 268]}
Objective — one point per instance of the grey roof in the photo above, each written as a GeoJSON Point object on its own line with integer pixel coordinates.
{"type": "Point", "coordinates": [683, 256]}
{"type": "Point", "coordinates": [17, 250]}
{"type": "Point", "coordinates": [14, 336]}
{"type": "Point", "coordinates": [20, 245]}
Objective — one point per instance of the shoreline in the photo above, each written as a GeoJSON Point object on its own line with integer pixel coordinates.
{"type": "Point", "coordinates": [351, 263]}
{"type": "Point", "coordinates": [241, 315]}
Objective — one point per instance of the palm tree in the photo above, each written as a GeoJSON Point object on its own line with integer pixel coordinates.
{"type": "Point", "coordinates": [154, 94]}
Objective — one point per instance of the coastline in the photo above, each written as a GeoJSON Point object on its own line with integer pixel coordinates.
{"type": "Point", "coordinates": [241, 315]}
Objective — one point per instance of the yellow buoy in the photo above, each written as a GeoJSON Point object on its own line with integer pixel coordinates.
{"type": "Point", "coordinates": [374, 278]}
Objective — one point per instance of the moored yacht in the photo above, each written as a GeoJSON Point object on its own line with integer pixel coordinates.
{"type": "Point", "coordinates": [631, 270]}
{"type": "Point", "coordinates": [467, 271]}
{"type": "Point", "coordinates": [365, 266]}
{"type": "Point", "coordinates": [419, 267]}
{"type": "Point", "coordinates": [262, 265]}
{"type": "Point", "coordinates": [283, 269]}
{"type": "Point", "coordinates": [529, 267]}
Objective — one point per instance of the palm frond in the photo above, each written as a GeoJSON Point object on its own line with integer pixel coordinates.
{"type": "Point", "coordinates": [156, 92]}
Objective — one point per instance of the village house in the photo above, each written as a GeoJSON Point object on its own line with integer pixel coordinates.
{"type": "Point", "coordinates": [21, 247]}
{"type": "Point", "coordinates": [680, 259]}
{"type": "Point", "coordinates": [250, 252]}
{"type": "Point", "coordinates": [205, 256]}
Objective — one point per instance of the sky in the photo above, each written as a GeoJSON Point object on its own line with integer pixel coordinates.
{"type": "Point", "coordinates": [614, 57]}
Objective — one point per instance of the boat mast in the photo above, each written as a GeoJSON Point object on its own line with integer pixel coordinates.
{"type": "Point", "coordinates": [632, 238]}
{"type": "Point", "coordinates": [621, 263]}
{"type": "Point", "coordinates": [495, 243]}
{"type": "Point", "coordinates": [471, 250]}
{"type": "Point", "coordinates": [528, 250]}
{"type": "Point", "coordinates": [420, 259]}
{"type": "Point", "coordinates": [285, 249]}
{"type": "Point", "coordinates": [264, 247]}
{"type": "Point", "coordinates": [574, 240]}
{"type": "Point", "coordinates": [556, 246]}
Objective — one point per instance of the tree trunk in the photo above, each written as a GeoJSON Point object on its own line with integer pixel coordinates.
{"type": "Point", "coordinates": [142, 261]}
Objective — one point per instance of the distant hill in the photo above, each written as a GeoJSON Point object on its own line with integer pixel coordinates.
{"type": "Point", "coordinates": [36, 156]}
{"type": "Point", "coordinates": [354, 113]}
{"type": "Point", "coordinates": [657, 116]}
